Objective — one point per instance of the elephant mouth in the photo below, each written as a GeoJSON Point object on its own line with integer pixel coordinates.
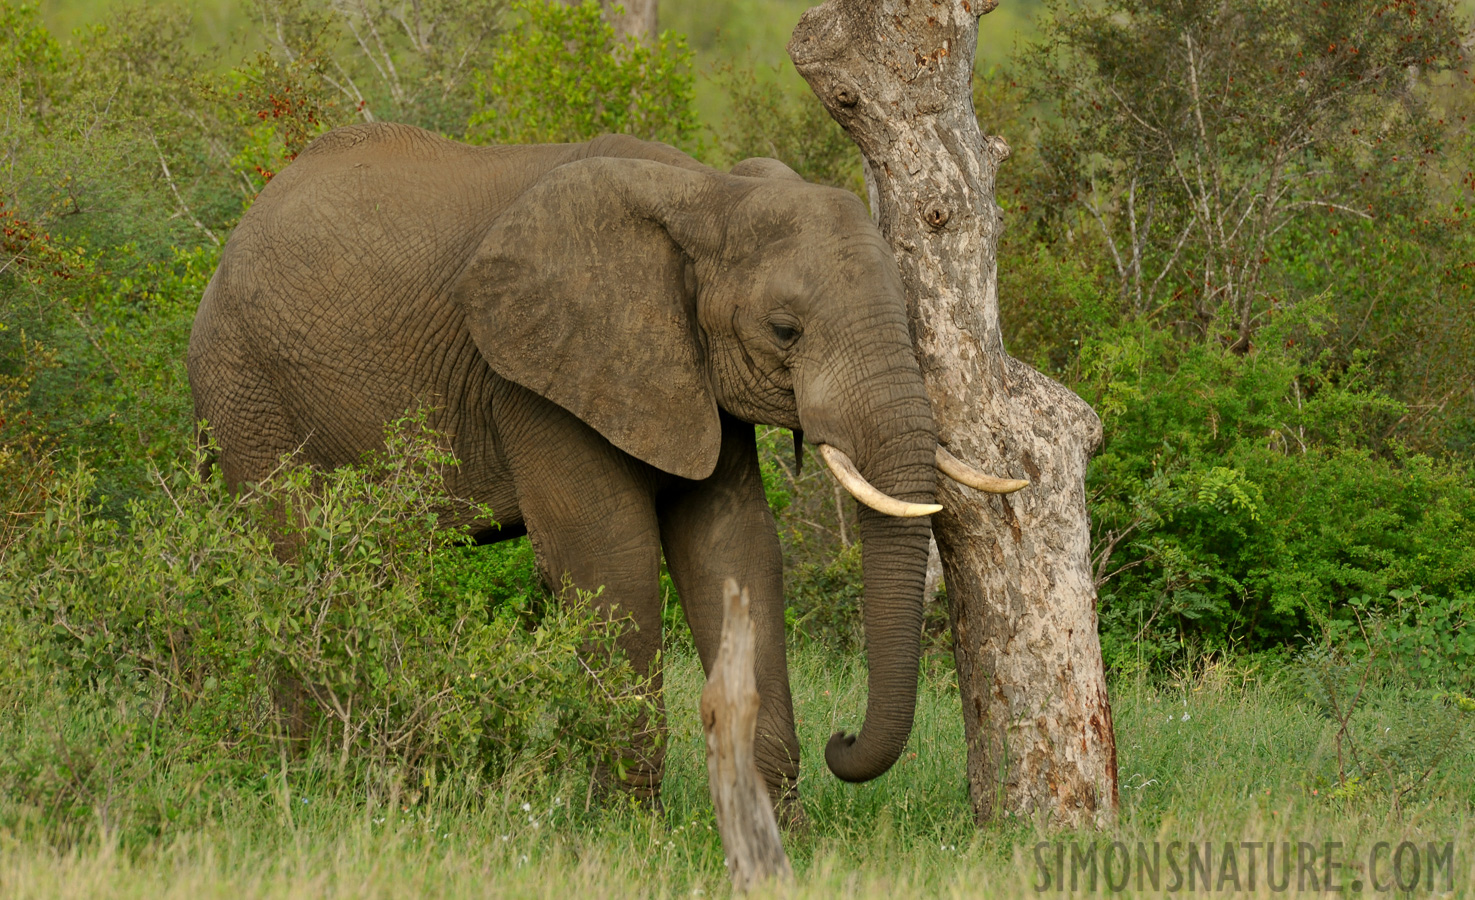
{"type": "Point", "coordinates": [850, 478]}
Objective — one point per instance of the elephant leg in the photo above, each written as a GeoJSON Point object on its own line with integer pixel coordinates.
{"type": "Point", "coordinates": [590, 514]}
{"type": "Point", "coordinates": [722, 528]}
{"type": "Point", "coordinates": [243, 413]}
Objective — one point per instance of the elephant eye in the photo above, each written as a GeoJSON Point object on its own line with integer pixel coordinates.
{"type": "Point", "coordinates": [785, 333]}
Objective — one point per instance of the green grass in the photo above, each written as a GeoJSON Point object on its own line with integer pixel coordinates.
{"type": "Point", "coordinates": [1219, 756]}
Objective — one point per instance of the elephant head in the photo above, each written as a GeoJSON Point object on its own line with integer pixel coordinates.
{"type": "Point", "coordinates": [644, 296]}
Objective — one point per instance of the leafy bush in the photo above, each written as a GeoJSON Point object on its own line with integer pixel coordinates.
{"type": "Point", "coordinates": [1285, 399]}
{"type": "Point", "coordinates": [1404, 287]}
{"type": "Point", "coordinates": [1394, 680]}
{"type": "Point", "coordinates": [113, 382]}
{"type": "Point", "coordinates": [185, 610]}
{"type": "Point", "coordinates": [788, 125]}
{"type": "Point", "coordinates": [1193, 133]}
{"type": "Point", "coordinates": [1426, 638]}
{"type": "Point", "coordinates": [823, 599]}
{"type": "Point", "coordinates": [563, 76]}
{"type": "Point", "coordinates": [410, 63]}
{"type": "Point", "coordinates": [1240, 501]}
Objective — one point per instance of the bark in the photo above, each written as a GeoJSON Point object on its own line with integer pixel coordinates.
{"type": "Point", "coordinates": [745, 821]}
{"type": "Point", "coordinates": [897, 75]}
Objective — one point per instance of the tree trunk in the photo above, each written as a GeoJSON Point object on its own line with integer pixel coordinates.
{"type": "Point", "coordinates": [897, 75]}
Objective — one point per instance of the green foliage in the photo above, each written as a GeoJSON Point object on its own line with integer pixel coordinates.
{"type": "Point", "coordinates": [1374, 679]}
{"type": "Point", "coordinates": [29, 57]}
{"type": "Point", "coordinates": [115, 379]}
{"type": "Point", "coordinates": [823, 600]}
{"type": "Point", "coordinates": [1285, 398]}
{"type": "Point", "coordinates": [410, 63]}
{"type": "Point", "coordinates": [1404, 288]}
{"type": "Point", "coordinates": [26, 477]}
{"type": "Point", "coordinates": [794, 128]}
{"type": "Point", "coordinates": [186, 611]}
{"type": "Point", "coordinates": [1176, 120]}
{"type": "Point", "coordinates": [1238, 501]}
{"type": "Point", "coordinates": [504, 573]}
{"type": "Point", "coordinates": [279, 107]}
{"type": "Point", "coordinates": [120, 189]}
{"type": "Point", "coordinates": [1420, 637]}
{"type": "Point", "coordinates": [563, 76]}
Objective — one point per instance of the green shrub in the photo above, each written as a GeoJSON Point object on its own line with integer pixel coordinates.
{"type": "Point", "coordinates": [114, 382]}
{"type": "Point", "coordinates": [563, 76]}
{"type": "Point", "coordinates": [505, 573]}
{"type": "Point", "coordinates": [185, 611]}
{"type": "Point", "coordinates": [1404, 289]}
{"type": "Point", "coordinates": [408, 63]}
{"type": "Point", "coordinates": [788, 125]}
{"type": "Point", "coordinates": [823, 599]}
{"type": "Point", "coordinates": [30, 59]}
{"type": "Point", "coordinates": [1243, 501]}
{"type": "Point", "coordinates": [1426, 638]}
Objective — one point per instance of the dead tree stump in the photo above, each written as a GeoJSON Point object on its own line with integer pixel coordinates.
{"type": "Point", "coordinates": [750, 837]}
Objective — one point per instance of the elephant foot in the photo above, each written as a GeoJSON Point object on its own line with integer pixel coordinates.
{"type": "Point", "coordinates": [641, 785]}
{"type": "Point", "coordinates": [789, 812]}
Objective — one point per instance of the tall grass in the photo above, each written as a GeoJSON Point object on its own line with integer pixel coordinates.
{"type": "Point", "coordinates": [1216, 755]}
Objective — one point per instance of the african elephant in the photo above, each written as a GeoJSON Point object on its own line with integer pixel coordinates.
{"type": "Point", "coordinates": [597, 327]}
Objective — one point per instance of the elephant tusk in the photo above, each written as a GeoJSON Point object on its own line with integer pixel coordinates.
{"type": "Point", "coordinates": [963, 473]}
{"type": "Point", "coordinates": [862, 490]}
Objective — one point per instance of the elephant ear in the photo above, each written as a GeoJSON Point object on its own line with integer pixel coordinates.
{"type": "Point", "coordinates": [579, 293]}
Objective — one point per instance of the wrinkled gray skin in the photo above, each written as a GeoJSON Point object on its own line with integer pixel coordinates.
{"type": "Point", "coordinates": [597, 326]}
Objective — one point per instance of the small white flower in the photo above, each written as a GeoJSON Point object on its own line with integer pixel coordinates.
{"type": "Point", "coordinates": [506, 837]}
{"type": "Point", "coordinates": [1185, 718]}
{"type": "Point", "coordinates": [526, 807]}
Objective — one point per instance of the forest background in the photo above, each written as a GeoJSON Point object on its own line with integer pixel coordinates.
{"type": "Point", "coordinates": [1242, 231]}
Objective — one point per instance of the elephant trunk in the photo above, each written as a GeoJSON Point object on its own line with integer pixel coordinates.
{"type": "Point", "coordinates": [894, 565]}
{"type": "Point", "coordinates": [885, 425]}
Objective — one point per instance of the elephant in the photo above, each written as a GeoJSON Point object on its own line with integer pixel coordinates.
{"type": "Point", "coordinates": [597, 327]}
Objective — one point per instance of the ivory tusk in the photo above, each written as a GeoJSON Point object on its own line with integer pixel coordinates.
{"type": "Point", "coordinates": [862, 490]}
{"type": "Point", "coordinates": [963, 473]}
